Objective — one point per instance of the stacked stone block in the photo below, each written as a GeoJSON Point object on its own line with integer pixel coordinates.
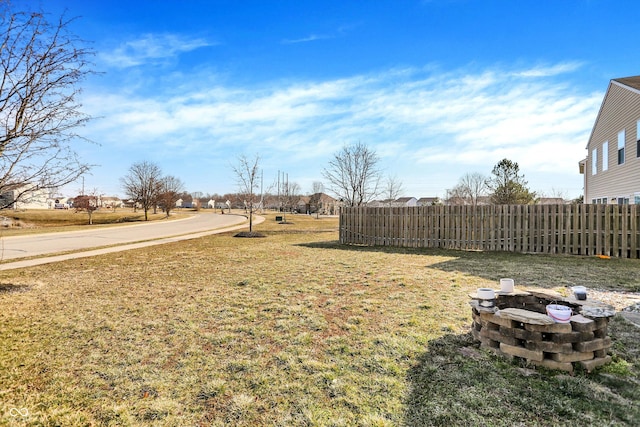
{"type": "Point", "coordinates": [518, 327]}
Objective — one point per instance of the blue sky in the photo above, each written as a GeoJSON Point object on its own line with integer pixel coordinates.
{"type": "Point", "coordinates": [438, 88]}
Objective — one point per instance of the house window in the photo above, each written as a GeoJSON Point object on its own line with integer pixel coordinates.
{"type": "Point", "coordinates": [594, 161]}
{"type": "Point", "coordinates": [593, 201]}
{"type": "Point", "coordinates": [638, 138]}
{"type": "Point", "coordinates": [621, 147]}
{"type": "Point", "coordinates": [604, 200]}
{"type": "Point", "coordinates": [605, 156]}
{"type": "Point", "coordinates": [636, 199]}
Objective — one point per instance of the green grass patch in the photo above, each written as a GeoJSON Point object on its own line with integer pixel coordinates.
{"type": "Point", "coordinates": [291, 329]}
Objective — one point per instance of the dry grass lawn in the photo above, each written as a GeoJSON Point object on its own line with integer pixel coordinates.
{"type": "Point", "coordinates": [291, 329]}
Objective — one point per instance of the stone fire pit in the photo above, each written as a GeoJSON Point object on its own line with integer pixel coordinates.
{"type": "Point", "coordinates": [517, 326]}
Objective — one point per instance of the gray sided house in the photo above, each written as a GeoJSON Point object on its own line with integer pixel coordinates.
{"type": "Point", "coordinates": [612, 167]}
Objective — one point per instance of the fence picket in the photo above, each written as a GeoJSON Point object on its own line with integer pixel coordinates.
{"type": "Point", "coordinates": [632, 243]}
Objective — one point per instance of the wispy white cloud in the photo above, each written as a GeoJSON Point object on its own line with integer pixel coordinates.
{"type": "Point", "coordinates": [339, 32]}
{"type": "Point", "coordinates": [429, 127]}
{"type": "Point", "coordinates": [151, 48]}
{"type": "Point", "coordinates": [309, 38]}
{"type": "Point", "coordinates": [552, 70]}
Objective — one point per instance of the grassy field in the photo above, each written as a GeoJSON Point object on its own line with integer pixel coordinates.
{"type": "Point", "coordinates": [291, 329]}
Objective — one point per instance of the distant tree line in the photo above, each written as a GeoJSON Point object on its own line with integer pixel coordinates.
{"type": "Point", "coordinates": [353, 175]}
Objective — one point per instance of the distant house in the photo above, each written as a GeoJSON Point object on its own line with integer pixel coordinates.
{"type": "Point", "coordinates": [303, 205]}
{"type": "Point", "coordinates": [428, 201]}
{"type": "Point", "coordinates": [25, 197]}
{"type": "Point", "coordinates": [110, 202]}
{"type": "Point", "coordinates": [483, 200]}
{"type": "Point", "coordinates": [186, 201]}
{"type": "Point", "coordinates": [192, 203]}
{"type": "Point", "coordinates": [60, 203]}
{"type": "Point", "coordinates": [317, 203]}
{"type": "Point", "coordinates": [379, 203]}
{"type": "Point", "coordinates": [405, 201]}
{"type": "Point", "coordinates": [612, 167]}
{"type": "Point", "coordinates": [130, 204]}
{"type": "Point", "coordinates": [550, 201]}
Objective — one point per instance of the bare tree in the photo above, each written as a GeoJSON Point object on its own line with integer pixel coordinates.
{"type": "Point", "coordinates": [171, 189]}
{"type": "Point", "coordinates": [317, 188]}
{"type": "Point", "coordinates": [228, 199]}
{"type": "Point", "coordinates": [456, 196]}
{"type": "Point", "coordinates": [142, 184]}
{"type": "Point", "coordinates": [353, 174]}
{"type": "Point", "coordinates": [87, 203]}
{"type": "Point", "coordinates": [42, 64]}
{"type": "Point", "coordinates": [290, 193]}
{"type": "Point", "coordinates": [469, 189]}
{"type": "Point", "coordinates": [246, 171]}
{"type": "Point", "coordinates": [393, 188]}
{"type": "Point", "coordinates": [474, 186]}
{"type": "Point", "coordinates": [556, 196]}
{"type": "Point", "coordinates": [196, 196]}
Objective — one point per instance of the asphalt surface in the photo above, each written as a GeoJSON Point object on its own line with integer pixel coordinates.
{"type": "Point", "coordinates": [48, 246]}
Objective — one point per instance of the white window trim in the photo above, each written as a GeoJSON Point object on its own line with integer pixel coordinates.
{"type": "Point", "coordinates": [638, 138]}
{"type": "Point", "coordinates": [621, 143]}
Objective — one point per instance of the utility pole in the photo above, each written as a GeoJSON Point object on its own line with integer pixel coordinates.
{"type": "Point", "coordinates": [261, 193]}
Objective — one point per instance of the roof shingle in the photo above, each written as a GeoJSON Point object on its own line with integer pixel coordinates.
{"type": "Point", "coordinates": [633, 81]}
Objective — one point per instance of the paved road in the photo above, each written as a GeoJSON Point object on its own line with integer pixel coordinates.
{"type": "Point", "coordinates": [123, 237]}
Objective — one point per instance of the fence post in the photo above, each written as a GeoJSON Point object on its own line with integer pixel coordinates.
{"type": "Point", "coordinates": [633, 230]}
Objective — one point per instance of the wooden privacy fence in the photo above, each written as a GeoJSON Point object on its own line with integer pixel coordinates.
{"type": "Point", "coordinates": [578, 229]}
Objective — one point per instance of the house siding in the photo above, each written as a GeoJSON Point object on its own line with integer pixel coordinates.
{"type": "Point", "coordinates": [620, 111]}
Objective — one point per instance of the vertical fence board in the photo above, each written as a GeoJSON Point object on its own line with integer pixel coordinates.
{"type": "Point", "coordinates": [525, 229]}
{"type": "Point", "coordinates": [633, 232]}
{"type": "Point", "coordinates": [624, 230]}
{"type": "Point", "coordinates": [562, 227]}
{"type": "Point", "coordinates": [585, 241]}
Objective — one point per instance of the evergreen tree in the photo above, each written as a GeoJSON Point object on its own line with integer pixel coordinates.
{"type": "Point", "coordinates": [507, 186]}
